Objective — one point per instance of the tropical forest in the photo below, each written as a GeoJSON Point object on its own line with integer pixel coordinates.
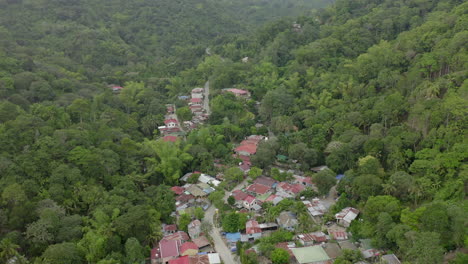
{"type": "Point", "coordinates": [247, 131]}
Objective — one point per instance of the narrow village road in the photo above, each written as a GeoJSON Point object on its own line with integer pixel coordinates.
{"type": "Point", "coordinates": [220, 246]}
{"type": "Point", "coordinates": [206, 98]}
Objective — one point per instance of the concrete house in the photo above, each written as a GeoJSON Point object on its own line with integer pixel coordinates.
{"type": "Point", "coordinates": [287, 220]}
{"type": "Point", "coordinates": [346, 216]}
{"type": "Point", "coordinates": [197, 93]}
{"type": "Point", "coordinates": [253, 230]}
{"type": "Point", "coordinates": [194, 229]}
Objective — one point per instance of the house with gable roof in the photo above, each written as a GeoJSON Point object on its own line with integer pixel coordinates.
{"type": "Point", "coordinates": [253, 230]}
{"type": "Point", "coordinates": [346, 216]}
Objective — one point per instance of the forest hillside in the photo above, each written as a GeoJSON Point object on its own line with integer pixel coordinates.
{"type": "Point", "coordinates": [376, 90]}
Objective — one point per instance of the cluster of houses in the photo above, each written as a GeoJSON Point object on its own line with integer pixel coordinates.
{"type": "Point", "coordinates": [318, 247]}
{"type": "Point", "coordinates": [265, 189]}
{"type": "Point", "coordinates": [178, 247]}
{"type": "Point", "coordinates": [246, 149]}
{"type": "Point", "coordinates": [197, 108]}
{"type": "Point", "coordinates": [194, 195]}
{"type": "Point", "coordinates": [171, 129]}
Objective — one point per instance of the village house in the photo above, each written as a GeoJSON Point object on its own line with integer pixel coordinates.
{"type": "Point", "coordinates": [177, 190]}
{"type": "Point", "coordinates": [185, 198]}
{"type": "Point", "coordinates": [249, 202]}
{"type": "Point", "coordinates": [170, 108]}
{"type": "Point", "coordinates": [248, 147]}
{"type": "Point", "coordinates": [196, 101]}
{"type": "Point", "coordinates": [287, 220]}
{"type": "Point", "coordinates": [311, 255]}
{"type": "Point", "coordinates": [197, 93]}
{"type": "Point", "coordinates": [213, 258]}
{"type": "Point", "coordinates": [266, 181]}
{"type": "Point", "coordinates": [346, 244]}
{"type": "Point", "coordinates": [253, 230]}
{"type": "Point", "coordinates": [194, 228]}
{"type": "Point", "coordinates": [315, 207]}
{"type": "Point", "coordinates": [332, 249]}
{"type": "Point", "coordinates": [171, 123]}
{"type": "Point", "coordinates": [310, 239]}
{"type": "Point", "coordinates": [367, 251]}
{"type": "Point", "coordinates": [258, 189]}
{"type": "Point", "coordinates": [169, 229]}
{"type": "Point", "coordinates": [275, 199]}
{"type": "Point", "coordinates": [188, 249]}
{"type": "Point", "coordinates": [239, 197]}
{"type": "Point", "coordinates": [337, 233]}
{"type": "Point", "coordinates": [319, 168]}
{"type": "Point", "coordinates": [196, 191]}
{"type": "Point", "coordinates": [246, 150]}
{"type": "Point", "coordinates": [289, 190]}
{"type": "Point", "coordinates": [201, 242]}
{"type": "Point", "coordinates": [168, 248]}
{"type": "Point", "coordinates": [238, 92]}
{"type": "Point", "coordinates": [305, 181]}
{"type": "Point", "coordinates": [346, 216]}
{"type": "Point", "coordinates": [268, 227]}
{"type": "Point", "coordinates": [116, 88]}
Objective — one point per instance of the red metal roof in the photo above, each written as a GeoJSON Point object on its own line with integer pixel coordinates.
{"type": "Point", "coordinates": [249, 199]}
{"type": "Point", "coordinates": [244, 166]}
{"type": "Point", "coordinates": [258, 188]}
{"type": "Point", "coordinates": [271, 198]}
{"type": "Point", "coordinates": [181, 260]}
{"type": "Point", "coordinates": [239, 195]}
{"type": "Point", "coordinates": [196, 100]}
{"type": "Point", "coordinates": [167, 121]}
{"type": "Point", "coordinates": [187, 246]}
{"type": "Point", "coordinates": [293, 188]}
{"type": "Point", "coordinates": [169, 248]}
{"type": "Point", "coordinates": [338, 235]}
{"type": "Point", "coordinates": [170, 228]}
{"type": "Point", "coordinates": [178, 190]}
{"type": "Point", "coordinates": [184, 197]}
{"type": "Point", "coordinates": [201, 241]}
{"type": "Point", "coordinates": [199, 259]}
{"type": "Point", "coordinates": [237, 91]}
{"type": "Point", "coordinates": [250, 148]}
{"type": "Point", "coordinates": [180, 235]}
{"type": "Point", "coordinates": [252, 227]}
{"type": "Point", "coordinates": [265, 181]}
{"type": "Point", "coordinates": [170, 139]}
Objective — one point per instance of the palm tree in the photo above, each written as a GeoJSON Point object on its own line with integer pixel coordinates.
{"type": "Point", "coordinates": [8, 249]}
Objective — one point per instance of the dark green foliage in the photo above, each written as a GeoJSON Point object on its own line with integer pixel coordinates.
{"type": "Point", "coordinates": [373, 89]}
{"type": "Point", "coordinates": [324, 180]}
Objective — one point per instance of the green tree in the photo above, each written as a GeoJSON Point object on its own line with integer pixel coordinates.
{"type": "Point", "coordinates": [183, 221]}
{"type": "Point", "coordinates": [425, 248]}
{"type": "Point", "coordinates": [184, 113]}
{"type": "Point", "coordinates": [234, 174]}
{"type": "Point", "coordinates": [279, 256]}
{"type": "Point", "coordinates": [63, 253]}
{"type": "Point", "coordinates": [230, 222]}
{"type": "Point", "coordinates": [324, 180]}
{"type": "Point", "coordinates": [134, 251]}
{"type": "Point", "coordinates": [8, 249]}
{"type": "Point", "coordinates": [255, 172]}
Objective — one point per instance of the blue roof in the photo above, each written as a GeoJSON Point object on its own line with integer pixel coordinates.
{"type": "Point", "coordinates": [233, 237]}
{"type": "Point", "coordinates": [340, 176]}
